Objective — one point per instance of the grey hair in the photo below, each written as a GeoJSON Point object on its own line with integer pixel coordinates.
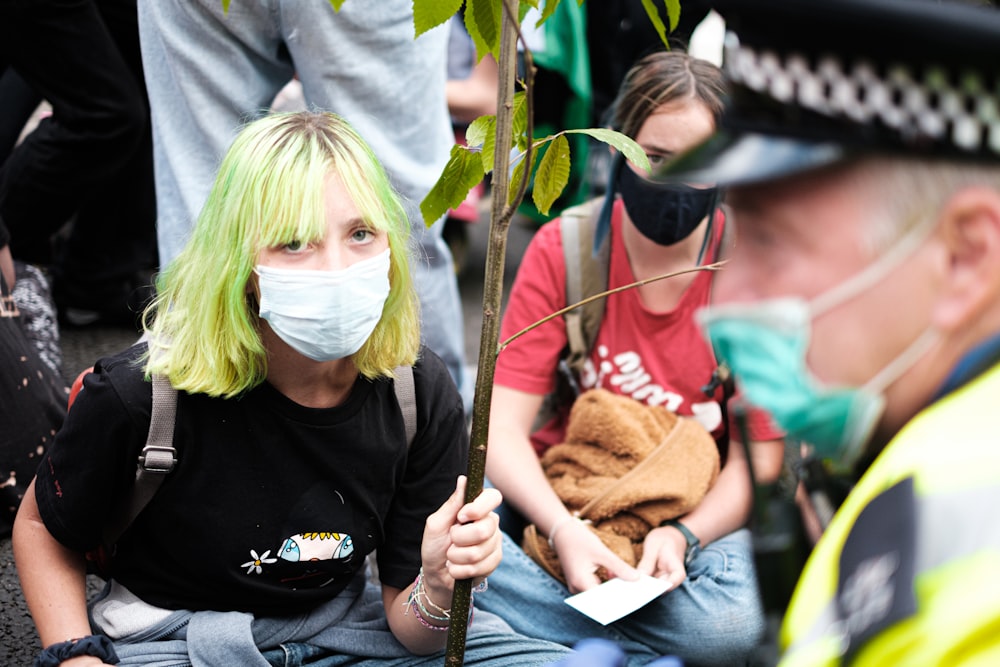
{"type": "Point", "coordinates": [904, 193]}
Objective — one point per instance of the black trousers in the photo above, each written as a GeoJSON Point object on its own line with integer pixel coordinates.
{"type": "Point", "coordinates": [90, 163]}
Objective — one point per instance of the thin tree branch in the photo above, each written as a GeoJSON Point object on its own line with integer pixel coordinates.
{"type": "Point", "coordinates": [529, 102]}
{"type": "Point", "coordinates": [715, 266]}
{"type": "Point", "coordinates": [500, 216]}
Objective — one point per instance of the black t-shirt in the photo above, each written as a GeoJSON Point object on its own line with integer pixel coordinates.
{"type": "Point", "coordinates": [272, 506]}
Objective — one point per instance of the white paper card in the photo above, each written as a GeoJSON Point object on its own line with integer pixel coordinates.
{"type": "Point", "coordinates": [616, 598]}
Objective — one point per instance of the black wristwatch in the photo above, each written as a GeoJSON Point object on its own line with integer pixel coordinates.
{"type": "Point", "coordinates": [693, 545]}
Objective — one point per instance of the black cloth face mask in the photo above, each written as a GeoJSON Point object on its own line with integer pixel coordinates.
{"type": "Point", "coordinates": [663, 213]}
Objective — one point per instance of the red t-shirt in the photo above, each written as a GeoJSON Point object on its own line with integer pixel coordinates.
{"type": "Point", "coordinates": [659, 358]}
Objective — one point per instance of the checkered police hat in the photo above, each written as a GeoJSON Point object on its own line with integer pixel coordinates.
{"type": "Point", "coordinates": [813, 82]}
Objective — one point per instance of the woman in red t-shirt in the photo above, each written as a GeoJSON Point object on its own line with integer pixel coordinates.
{"type": "Point", "coordinates": [650, 348]}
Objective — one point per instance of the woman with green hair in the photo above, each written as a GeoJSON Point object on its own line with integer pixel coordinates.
{"type": "Point", "coordinates": [281, 326]}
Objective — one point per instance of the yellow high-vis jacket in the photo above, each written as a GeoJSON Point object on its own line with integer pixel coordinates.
{"type": "Point", "coordinates": [908, 571]}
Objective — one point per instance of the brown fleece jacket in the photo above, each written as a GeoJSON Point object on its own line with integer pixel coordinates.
{"type": "Point", "coordinates": [626, 467]}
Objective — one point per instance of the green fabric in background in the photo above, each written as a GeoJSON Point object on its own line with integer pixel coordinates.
{"type": "Point", "coordinates": [563, 100]}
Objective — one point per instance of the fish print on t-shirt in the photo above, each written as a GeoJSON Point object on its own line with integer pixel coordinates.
{"type": "Point", "coordinates": [309, 558]}
{"type": "Point", "coordinates": [303, 548]}
{"type": "Point", "coordinates": [316, 546]}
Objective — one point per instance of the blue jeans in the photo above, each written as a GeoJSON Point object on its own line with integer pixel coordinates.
{"type": "Point", "coordinates": [208, 72]}
{"type": "Point", "coordinates": [489, 643]}
{"type": "Point", "coordinates": [714, 618]}
{"type": "Point", "coordinates": [351, 629]}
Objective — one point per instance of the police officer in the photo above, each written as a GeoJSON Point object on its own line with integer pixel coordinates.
{"type": "Point", "coordinates": [861, 304]}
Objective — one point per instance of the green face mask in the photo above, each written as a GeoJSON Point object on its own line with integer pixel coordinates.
{"type": "Point", "coordinates": [765, 344]}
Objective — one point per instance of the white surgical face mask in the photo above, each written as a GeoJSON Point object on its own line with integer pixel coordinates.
{"type": "Point", "coordinates": [325, 315]}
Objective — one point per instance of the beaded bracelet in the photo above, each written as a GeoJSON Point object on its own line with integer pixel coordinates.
{"type": "Point", "coordinates": [446, 612]}
{"type": "Point", "coordinates": [420, 611]}
{"type": "Point", "coordinates": [98, 646]}
{"type": "Point", "coordinates": [418, 593]}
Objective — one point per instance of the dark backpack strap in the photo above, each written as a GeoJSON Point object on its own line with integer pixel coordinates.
{"type": "Point", "coordinates": [157, 458]}
{"type": "Point", "coordinates": [406, 394]}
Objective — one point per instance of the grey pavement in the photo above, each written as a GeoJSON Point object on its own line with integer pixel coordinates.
{"type": "Point", "coordinates": [82, 347]}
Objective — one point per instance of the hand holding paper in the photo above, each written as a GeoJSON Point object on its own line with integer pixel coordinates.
{"type": "Point", "coordinates": [616, 598]}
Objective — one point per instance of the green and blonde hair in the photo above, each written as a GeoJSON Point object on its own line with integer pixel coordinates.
{"type": "Point", "coordinates": [203, 327]}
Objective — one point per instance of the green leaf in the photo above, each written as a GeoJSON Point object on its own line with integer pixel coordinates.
{"type": "Point", "coordinates": [482, 48]}
{"type": "Point", "coordinates": [523, 8]}
{"type": "Point", "coordinates": [476, 133]}
{"type": "Point", "coordinates": [515, 179]}
{"type": "Point", "coordinates": [429, 14]}
{"type": "Point", "coordinates": [225, 6]}
{"type": "Point", "coordinates": [654, 18]}
{"type": "Point", "coordinates": [552, 175]}
{"type": "Point", "coordinates": [550, 8]}
{"type": "Point", "coordinates": [673, 13]}
{"type": "Point", "coordinates": [337, 4]}
{"type": "Point", "coordinates": [487, 155]}
{"type": "Point", "coordinates": [519, 129]}
{"type": "Point", "coordinates": [482, 133]}
{"type": "Point", "coordinates": [482, 21]}
{"type": "Point", "coordinates": [462, 173]}
{"type": "Point", "coordinates": [626, 145]}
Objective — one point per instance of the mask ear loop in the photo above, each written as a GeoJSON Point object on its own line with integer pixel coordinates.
{"type": "Point", "coordinates": [873, 273]}
{"type": "Point", "coordinates": [860, 283]}
{"type": "Point", "coordinates": [902, 363]}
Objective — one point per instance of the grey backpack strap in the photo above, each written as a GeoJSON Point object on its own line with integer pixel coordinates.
{"type": "Point", "coordinates": [407, 396]}
{"type": "Point", "coordinates": [570, 227]}
{"type": "Point", "coordinates": [586, 275]}
{"type": "Point", "coordinates": [158, 457]}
